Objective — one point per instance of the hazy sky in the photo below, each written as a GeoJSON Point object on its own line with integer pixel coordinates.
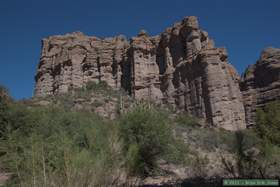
{"type": "Point", "coordinates": [244, 27]}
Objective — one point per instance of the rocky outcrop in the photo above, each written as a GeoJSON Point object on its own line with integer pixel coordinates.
{"type": "Point", "coordinates": [72, 60]}
{"type": "Point", "coordinates": [261, 83]}
{"type": "Point", "coordinates": [180, 67]}
{"type": "Point", "coordinates": [196, 77]}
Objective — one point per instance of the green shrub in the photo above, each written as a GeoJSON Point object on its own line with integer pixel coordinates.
{"type": "Point", "coordinates": [199, 165]}
{"type": "Point", "coordinates": [268, 122]}
{"type": "Point", "coordinates": [147, 136]}
{"type": "Point", "coordinates": [256, 158]}
{"type": "Point", "coordinates": [208, 139]}
{"type": "Point", "coordinates": [3, 115]}
{"type": "Point", "coordinates": [94, 86]}
{"type": "Point", "coordinates": [247, 72]}
{"type": "Point", "coordinates": [46, 146]}
{"type": "Point", "coordinates": [185, 120]}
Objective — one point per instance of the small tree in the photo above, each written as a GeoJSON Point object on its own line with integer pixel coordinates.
{"type": "Point", "coordinates": [147, 136]}
{"type": "Point", "coordinates": [4, 100]}
{"type": "Point", "coordinates": [268, 122]}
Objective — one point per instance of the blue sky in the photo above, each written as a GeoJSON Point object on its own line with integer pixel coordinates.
{"type": "Point", "coordinates": [243, 27]}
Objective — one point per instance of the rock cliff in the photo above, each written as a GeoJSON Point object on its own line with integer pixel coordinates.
{"type": "Point", "coordinates": [180, 67]}
{"type": "Point", "coordinates": [261, 83]}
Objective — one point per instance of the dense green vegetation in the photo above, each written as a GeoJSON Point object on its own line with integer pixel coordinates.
{"type": "Point", "coordinates": [147, 136]}
{"type": "Point", "coordinates": [54, 145]}
{"type": "Point", "coordinates": [3, 109]}
{"type": "Point", "coordinates": [44, 146]}
{"type": "Point", "coordinates": [268, 122]}
{"type": "Point", "coordinates": [258, 149]}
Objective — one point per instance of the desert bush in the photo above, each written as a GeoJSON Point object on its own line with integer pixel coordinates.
{"type": "Point", "coordinates": [208, 139]}
{"type": "Point", "coordinates": [3, 113]}
{"type": "Point", "coordinates": [102, 85]}
{"type": "Point", "coordinates": [199, 165]}
{"type": "Point", "coordinates": [268, 122]}
{"type": "Point", "coordinates": [258, 148]}
{"type": "Point", "coordinates": [255, 158]}
{"type": "Point", "coordinates": [55, 147]}
{"type": "Point", "coordinates": [147, 136]}
{"type": "Point", "coordinates": [187, 121]}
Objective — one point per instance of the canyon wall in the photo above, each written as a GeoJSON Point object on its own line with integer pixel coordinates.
{"type": "Point", "coordinates": [180, 67]}
{"type": "Point", "coordinates": [260, 83]}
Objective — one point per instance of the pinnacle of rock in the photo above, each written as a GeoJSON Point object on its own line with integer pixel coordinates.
{"type": "Point", "coordinates": [142, 32]}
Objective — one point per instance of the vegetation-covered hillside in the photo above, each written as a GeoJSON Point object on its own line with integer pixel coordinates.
{"type": "Point", "coordinates": [55, 143]}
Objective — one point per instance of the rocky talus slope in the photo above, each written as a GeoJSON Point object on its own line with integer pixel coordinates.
{"type": "Point", "coordinates": [261, 83]}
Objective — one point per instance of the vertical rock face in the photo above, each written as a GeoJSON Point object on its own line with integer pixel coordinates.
{"type": "Point", "coordinates": [144, 67]}
{"type": "Point", "coordinates": [72, 60]}
{"type": "Point", "coordinates": [261, 83]}
{"type": "Point", "coordinates": [180, 67]}
{"type": "Point", "coordinates": [196, 77]}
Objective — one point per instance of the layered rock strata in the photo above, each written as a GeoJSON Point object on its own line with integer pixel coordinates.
{"type": "Point", "coordinates": [180, 67]}
{"type": "Point", "coordinates": [261, 83]}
